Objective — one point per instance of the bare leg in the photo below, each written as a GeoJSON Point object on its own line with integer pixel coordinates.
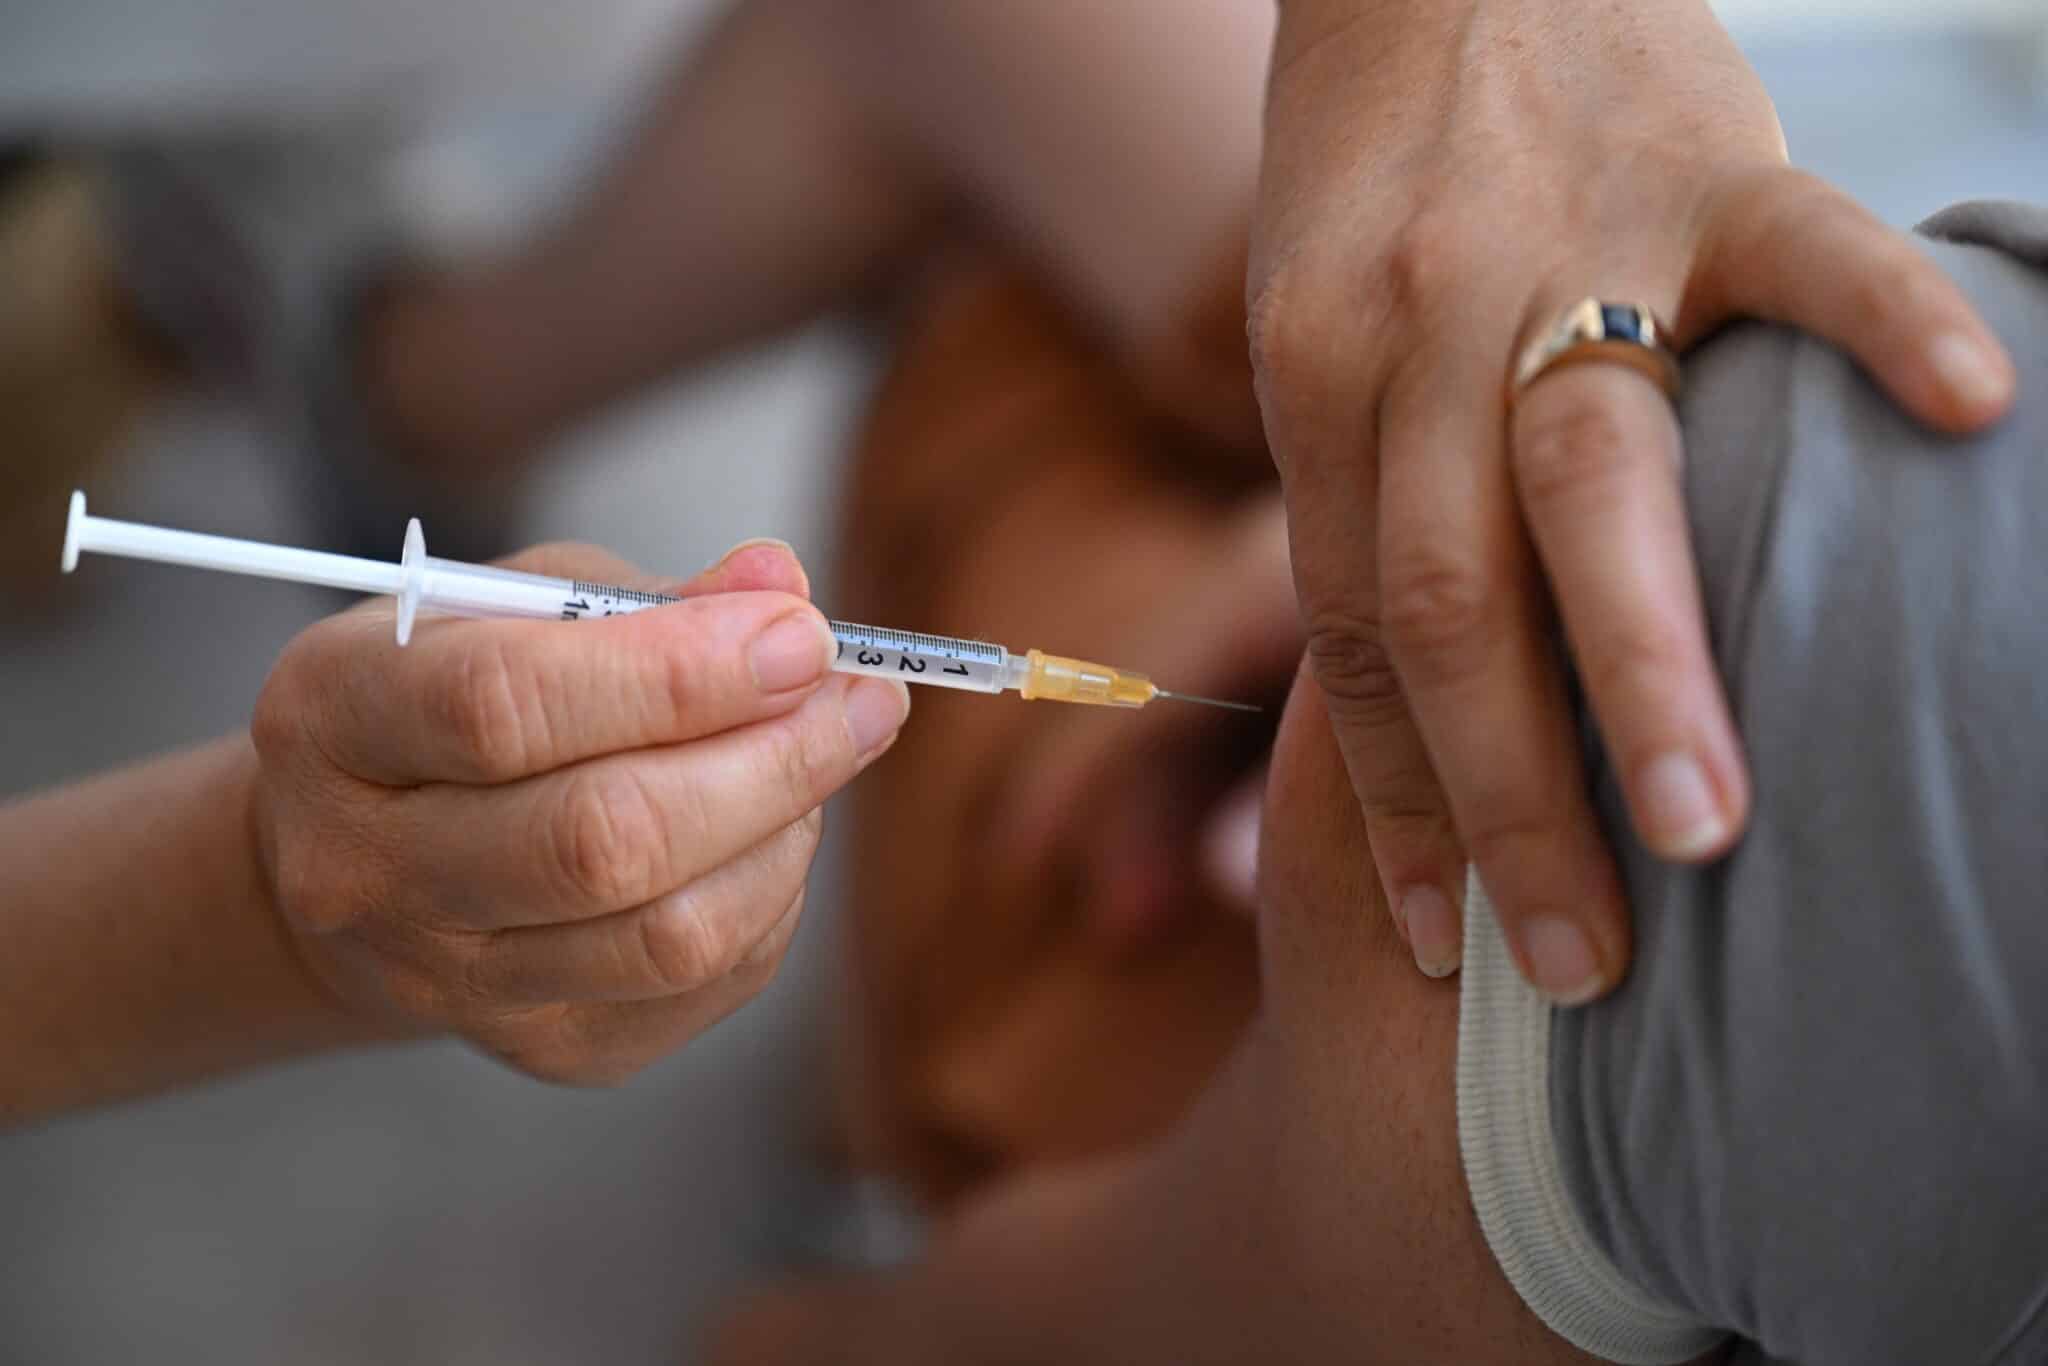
{"type": "Point", "coordinates": [811, 146]}
{"type": "Point", "coordinates": [760, 192]}
{"type": "Point", "coordinates": [1117, 144]}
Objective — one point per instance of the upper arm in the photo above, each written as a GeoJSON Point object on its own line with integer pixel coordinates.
{"type": "Point", "coordinates": [1351, 1076]}
{"type": "Point", "coordinates": [1311, 1206]}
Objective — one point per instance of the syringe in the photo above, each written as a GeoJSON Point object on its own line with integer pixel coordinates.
{"type": "Point", "coordinates": [420, 580]}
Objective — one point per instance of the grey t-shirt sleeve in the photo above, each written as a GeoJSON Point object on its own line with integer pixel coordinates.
{"type": "Point", "coordinates": [1817, 1112]}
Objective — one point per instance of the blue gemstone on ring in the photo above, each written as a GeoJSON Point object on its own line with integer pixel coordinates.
{"type": "Point", "coordinates": [1619, 322]}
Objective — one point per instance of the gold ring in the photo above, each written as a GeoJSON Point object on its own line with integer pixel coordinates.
{"type": "Point", "coordinates": [1595, 330]}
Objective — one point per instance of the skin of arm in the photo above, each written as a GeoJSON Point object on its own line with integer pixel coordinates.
{"type": "Point", "coordinates": [1312, 1207]}
{"type": "Point", "coordinates": [143, 949]}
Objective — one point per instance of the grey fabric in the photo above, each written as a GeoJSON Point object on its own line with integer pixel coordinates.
{"type": "Point", "coordinates": [1817, 1112]}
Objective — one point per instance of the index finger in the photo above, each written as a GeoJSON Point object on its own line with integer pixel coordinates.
{"type": "Point", "coordinates": [494, 701]}
{"type": "Point", "coordinates": [1465, 618]}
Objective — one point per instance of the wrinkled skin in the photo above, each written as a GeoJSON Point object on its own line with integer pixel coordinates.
{"type": "Point", "coordinates": [577, 848]}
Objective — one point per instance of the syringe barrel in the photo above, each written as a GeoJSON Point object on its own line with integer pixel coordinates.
{"type": "Point", "coordinates": [480, 590]}
{"type": "Point", "coordinates": [938, 661]}
{"type": "Point", "coordinates": [473, 590]}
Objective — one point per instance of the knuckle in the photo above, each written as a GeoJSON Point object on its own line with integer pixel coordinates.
{"type": "Point", "coordinates": [544, 1056]}
{"type": "Point", "coordinates": [1563, 454]}
{"type": "Point", "coordinates": [421, 994]}
{"type": "Point", "coordinates": [764, 963]}
{"type": "Point", "coordinates": [608, 837]}
{"type": "Point", "coordinates": [1510, 830]}
{"type": "Point", "coordinates": [683, 945]}
{"type": "Point", "coordinates": [551, 1044]}
{"type": "Point", "coordinates": [1435, 606]}
{"type": "Point", "coordinates": [1779, 205]}
{"type": "Point", "coordinates": [1633, 669]}
{"type": "Point", "coordinates": [317, 891]}
{"type": "Point", "coordinates": [1405, 814]}
{"type": "Point", "coordinates": [797, 843]}
{"type": "Point", "coordinates": [1872, 301]}
{"type": "Point", "coordinates": [809, 759]}
{"type": "Point", "coordinates": [277, 725]}
{"type": "Point", "coordinates": [432, 976]}
{"type": "Point", "coordinates": [496, 723]}
{"type": "Point", "coordinates": [1299, 332]}
{"type": "Point", "coordinates": [1348, 653]}
{"type": "Point", "coordinates": [468, 979]}
{"type": "Point", "coordinates": [1427, 260]}
{"type": "Point", "coordinates": [1902, 289]}
{"type": "Point", "coordinates": [1276, 330]}
{"type": "Point", "coordinates": [281, 724]}
{"type": "Point", "coordinates": [681, 685]}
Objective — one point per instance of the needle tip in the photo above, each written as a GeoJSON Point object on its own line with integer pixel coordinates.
{"type": "Point", "coordinates": [1209, 701]}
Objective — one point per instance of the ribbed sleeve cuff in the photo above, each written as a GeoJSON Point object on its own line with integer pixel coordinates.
{"type": "Point", "coordinates": [1517, 1184]}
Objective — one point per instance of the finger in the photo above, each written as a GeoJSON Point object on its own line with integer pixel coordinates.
{"type": "Point", "coordinates": [1465, 624]}
{"type": "Point", "coordinates": [762, 564]}
{"type": "Point", "coordinates": [493, 701]}
{"type": "Point", "coordinates": [601, 1044]}
{"type": "Point", "coordinates": [617, 831]}
{"type": "Point", "coordinates": [1595, 460]}
{"type": "Point", "coordinates": [678, 943]}
{"type": "Point", "coordinates": [1317, 354]}
{"type": "Point", "coordinates": [1785, 246]}
{"type": "Point", "coordinates": [1333, 511]}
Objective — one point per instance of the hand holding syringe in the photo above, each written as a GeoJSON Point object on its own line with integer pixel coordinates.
{"type": "Point", "coordinates": [420, 580]}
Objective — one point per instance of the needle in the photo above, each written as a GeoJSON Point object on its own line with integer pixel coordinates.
{"type": "Point", "coordinates": [1209, 701]}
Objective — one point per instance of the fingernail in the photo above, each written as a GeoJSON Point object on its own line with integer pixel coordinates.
{"type": "Point", "coordinates": [1970, 371]}
{"type": "Point", "coordinates": [875, 709]}
{"type": "Point", "coordinates": [756, 543]}
{"type": "Point", "coordinates": [1561, 960]}
{"type": "Point", "coordinates": [793, 650]}
{"type": "Point", "coordinates": [1679, 810]}
{"type": "Point", "coordinates": [1432, 931]}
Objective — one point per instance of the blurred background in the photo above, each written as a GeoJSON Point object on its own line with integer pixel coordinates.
{"type": "Point", "coordinates": [427, 1205]}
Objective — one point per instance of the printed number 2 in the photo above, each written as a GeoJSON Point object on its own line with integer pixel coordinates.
{"type": "Point", "coordinates": [904, 662]}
